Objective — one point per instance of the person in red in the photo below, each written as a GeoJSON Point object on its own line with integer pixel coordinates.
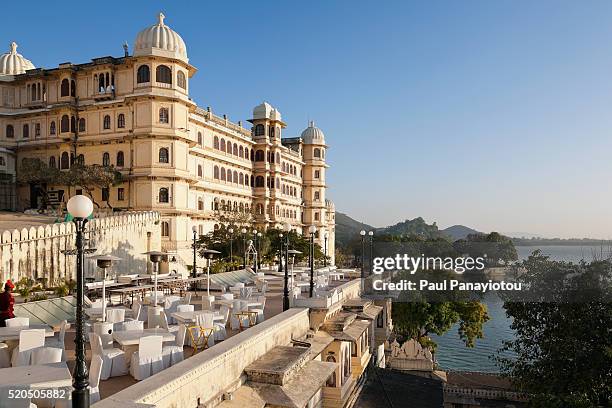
{"type": "Point", "coordinates": [7, 302]}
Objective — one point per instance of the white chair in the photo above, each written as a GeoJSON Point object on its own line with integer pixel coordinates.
{"type": "Point", "coordinates": [187, 298]}
{"type": "Point", "coordinates": [228, 296]}
{"type": "Point", "coordinates": [220, 331]}
{"type": "Point", "coordinates": [260, 310]}
{"type": "Point", "coordinates": [105, 331]}
{"type": "Point", "coordinates": [174, 354]}
{"type": "Point", "coordinates": [18, 322]}
{"type": "Point", "coordinates": [46, 355]}
{"type": "Point", "coordinates": [148, 360]}
{"type": "Point", "coordinates": [164, 322]}
{"type": "Point", "coordinates": [238, 322]}
{"type": "Point", "coordinates": [58, 342]}
{"type": "Point", "coordinates": [115, 316]}
{"type": "Point", "coordinates": [113, 359]}
{"type": "Point", "coordinates": [28, 340]}
{"type": "Point", "coordinates": [132, 325]}
{"type": "Point", "coordinates": [135, 312]}
{"type": "Point", "coordinates": [5, 356]}
{"type": "Point", "coordinates": [153, 316]}
{"type": "Point", "coordinates": [95, 373]}
{"type": "Point", "coordinates": [208, 302]}
{"type": "Point", "coordinates": [170, 306]}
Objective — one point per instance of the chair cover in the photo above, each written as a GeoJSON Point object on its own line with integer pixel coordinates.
{"type": "Point", "coordinates": [174, 354]}
{"type": "Point", "coordinates": [133, 325]}
{"type": "Point", "coordinates": [113, 359]}
{"type": "Point", "coordinates": [148, 360]}
{"type": "Point", "coordinates": [58, 342]}
{"type": "Point", "coordinates": [28, 340]}
{"type": "Point", "coordinates": [18, 322]}
{"type": "Point", "coordinates": [46, 355]}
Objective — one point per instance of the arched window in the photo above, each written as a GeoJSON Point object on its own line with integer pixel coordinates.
{"type": "Point", "coordinates": [216, 173]}
{"type": "Point", "coordinates": [64, 161]}
{"type": "Point", "coordinates": [143, 74]}
{"type": "Point", "coordinates": [246, 179]}
{"type": "Point", "coordinates": [120, 159]}
{"type": "Point", "coordinates": [241, 151]}
{"type": "Point", "coordinates": [235, 177]}
{"type": "Point", "coordinates": [80, 159]}
{"type": "Point", "coordinates": [271, 132]}
{"type": "Point", "coordinates": [36, 129]}
{"type": "Point", "coordinates": [65, 87]}
{"type": "Point", "coordinates": [52, 162]}
{"type": "Point", "coordinates": [199, 170]}
{"type": "Point", "coordinates": [163, 74]}
{"type": "Point", "coordinates": [222, 145]}
{"type": "Point", "coordinates": [229, 176]}
{"type": "Point", "coordinates": [106, 159]}
{"type": "Point", "coordinates": [164, 116]}
{"type": "Point", "coordinates": [235, 149]}
{"type": "Point", "coordinates": [277, 157]}
{"type": "Point", "coordinates": [229, 147]}
{"type": "Point", "coordinates": [331, 381]}
{"type": "Point", "coordinates": [165, 229]}
{"type": "Point", "coordinates": [10, 131]}
{"type": "Point", "coordinates": [52, 128]}
{"type": "Point", "coordinates": [317, 153]}
{"type": "Point", "coordinates": [259, 130]}
{"type": "Point", "coordinates": [180, 80]}
{"type": "Point", "coordinates": [223, 174]}
{"type": "Point", "coordinates": [73, 124]}
{"type": "Point", "coordinates": [163, 195]}
{"type": "Point", "coordinates": [241, 178]}
{"type": "Point", "coordinates": [253, 181]}
{"type": "Point", "coordinates": [26, 130]}
{"type": "Point", "coordinates": [200, 204]}
{"type": "Point", "coordinates": [164, 157]}
{"type": "Point", "coordinates": [121, 121]}
{"type": "Point", "coordinates": [200, 138]}
{"type": "Point", "coordinates": [259, 181]}
{"type": "Point", "coordinates": [82, 125]}
{"type": "Point", "coordinates": [72, 88]}
{"type": "Point", "coordinates": [216, 142]}
{"type": "Point", "coordinates": [107, 122]}
{"type": "Point", "coordinates": [259, 156]}
{"type": "Point", "coordinates": [65, 124]}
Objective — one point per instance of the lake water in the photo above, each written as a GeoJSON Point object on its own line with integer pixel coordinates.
{"type": "Point", "coordinates": [452, 353]}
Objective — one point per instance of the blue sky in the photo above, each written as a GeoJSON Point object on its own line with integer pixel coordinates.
{"type": "Point", "coordinates": [491, 114]}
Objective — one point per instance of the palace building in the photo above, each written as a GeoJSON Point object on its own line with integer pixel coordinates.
{"type": "Point", "coordinates": [135, 113]}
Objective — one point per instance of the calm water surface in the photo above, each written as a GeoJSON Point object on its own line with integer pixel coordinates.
{"type": "Point", "coordinates": [452, 353]}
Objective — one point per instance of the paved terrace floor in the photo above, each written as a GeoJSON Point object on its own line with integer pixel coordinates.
{"type": "Point", "coordinates": [274, 306]}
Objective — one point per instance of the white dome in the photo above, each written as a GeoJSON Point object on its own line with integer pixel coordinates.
{"type": "Point", "coordinates": [159, 39]}
{"type": "Point", "coordinates": [266, 111]}
{"type": "Point", "coordinates": [13, 63]}
{"type": "Point", "coordinates": [313, 135]}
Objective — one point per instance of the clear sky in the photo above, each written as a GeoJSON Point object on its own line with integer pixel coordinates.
{"type": "Point", "coordinates": [492, 114]}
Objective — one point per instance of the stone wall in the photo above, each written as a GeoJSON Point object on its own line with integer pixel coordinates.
{"type": "Point", "coordinates": [36, 252]}
{"type": "Point", "coordinates": [202, 379]}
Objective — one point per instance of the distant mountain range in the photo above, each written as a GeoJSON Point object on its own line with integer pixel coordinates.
{"type": "Point", "coordinates": [347, 229]}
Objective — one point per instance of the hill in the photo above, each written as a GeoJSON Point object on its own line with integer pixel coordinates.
{"type": "Point", "coordinates": [347, 229]}
{"type": "Point", "coordinates": [458, 232]}
{"type": "Point", "coordinates": [417, 226]}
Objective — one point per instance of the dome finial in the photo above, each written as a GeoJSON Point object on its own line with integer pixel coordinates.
{"type": "Point", "coordinates": [160, 19]}
{"type": "Point", "coordinates": [311, 123]}
{"type": "Point", "coordinates": [13, 48]}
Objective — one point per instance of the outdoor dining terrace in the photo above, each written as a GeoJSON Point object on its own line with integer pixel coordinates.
{"type": "Point", "coordinates": [139, 331]}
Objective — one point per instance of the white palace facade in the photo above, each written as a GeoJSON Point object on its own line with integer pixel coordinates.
{"type": "Point", "coordinates": [135, 113]}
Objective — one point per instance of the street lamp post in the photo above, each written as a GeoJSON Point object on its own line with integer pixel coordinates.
{"type": "Point", "coordinates": [259, 235]}
{"type": "Point", "coordinates": [231, 232]}
{"type": "Point", "coordinates": [195, 261]}
{"type": "Point", "coordinates": [371, 235]}
{"type": "Point", "coordinates": [255, 246]}
{"type": "Point", "coordinates": [325, 236]}
{"type": "Point", "coordinates": [80, 207]}
{"type": "Point", "coordinates": [312, 229]}
{"type": "Point", "coordinates": [287, 227]}
{"type": "Point", "coordinates": [209, 254]}
{"type": "Point", "coordinates": [362, 233]}
{"type": "Point", "coordinates": [280, 251]}
{"type": "Point", "coordinates": [244, 248]}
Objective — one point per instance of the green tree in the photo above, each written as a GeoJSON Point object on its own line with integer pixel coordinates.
{"type": "Point", "coordinates": [563, 344]}
{"type": "Point", "coordinates": [90, 177]}
{"type": "Point", "coordinates": [494, 247]}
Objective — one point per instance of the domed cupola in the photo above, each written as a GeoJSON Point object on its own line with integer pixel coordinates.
{"type": "Point", "coordinates": [160, 40]}
{"type": "Point", "coordinates": [266, 111]}
{"type": "Point", "coordinates": [13, 63]}
{"type": "Point", "coordinates": [312, 134]}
